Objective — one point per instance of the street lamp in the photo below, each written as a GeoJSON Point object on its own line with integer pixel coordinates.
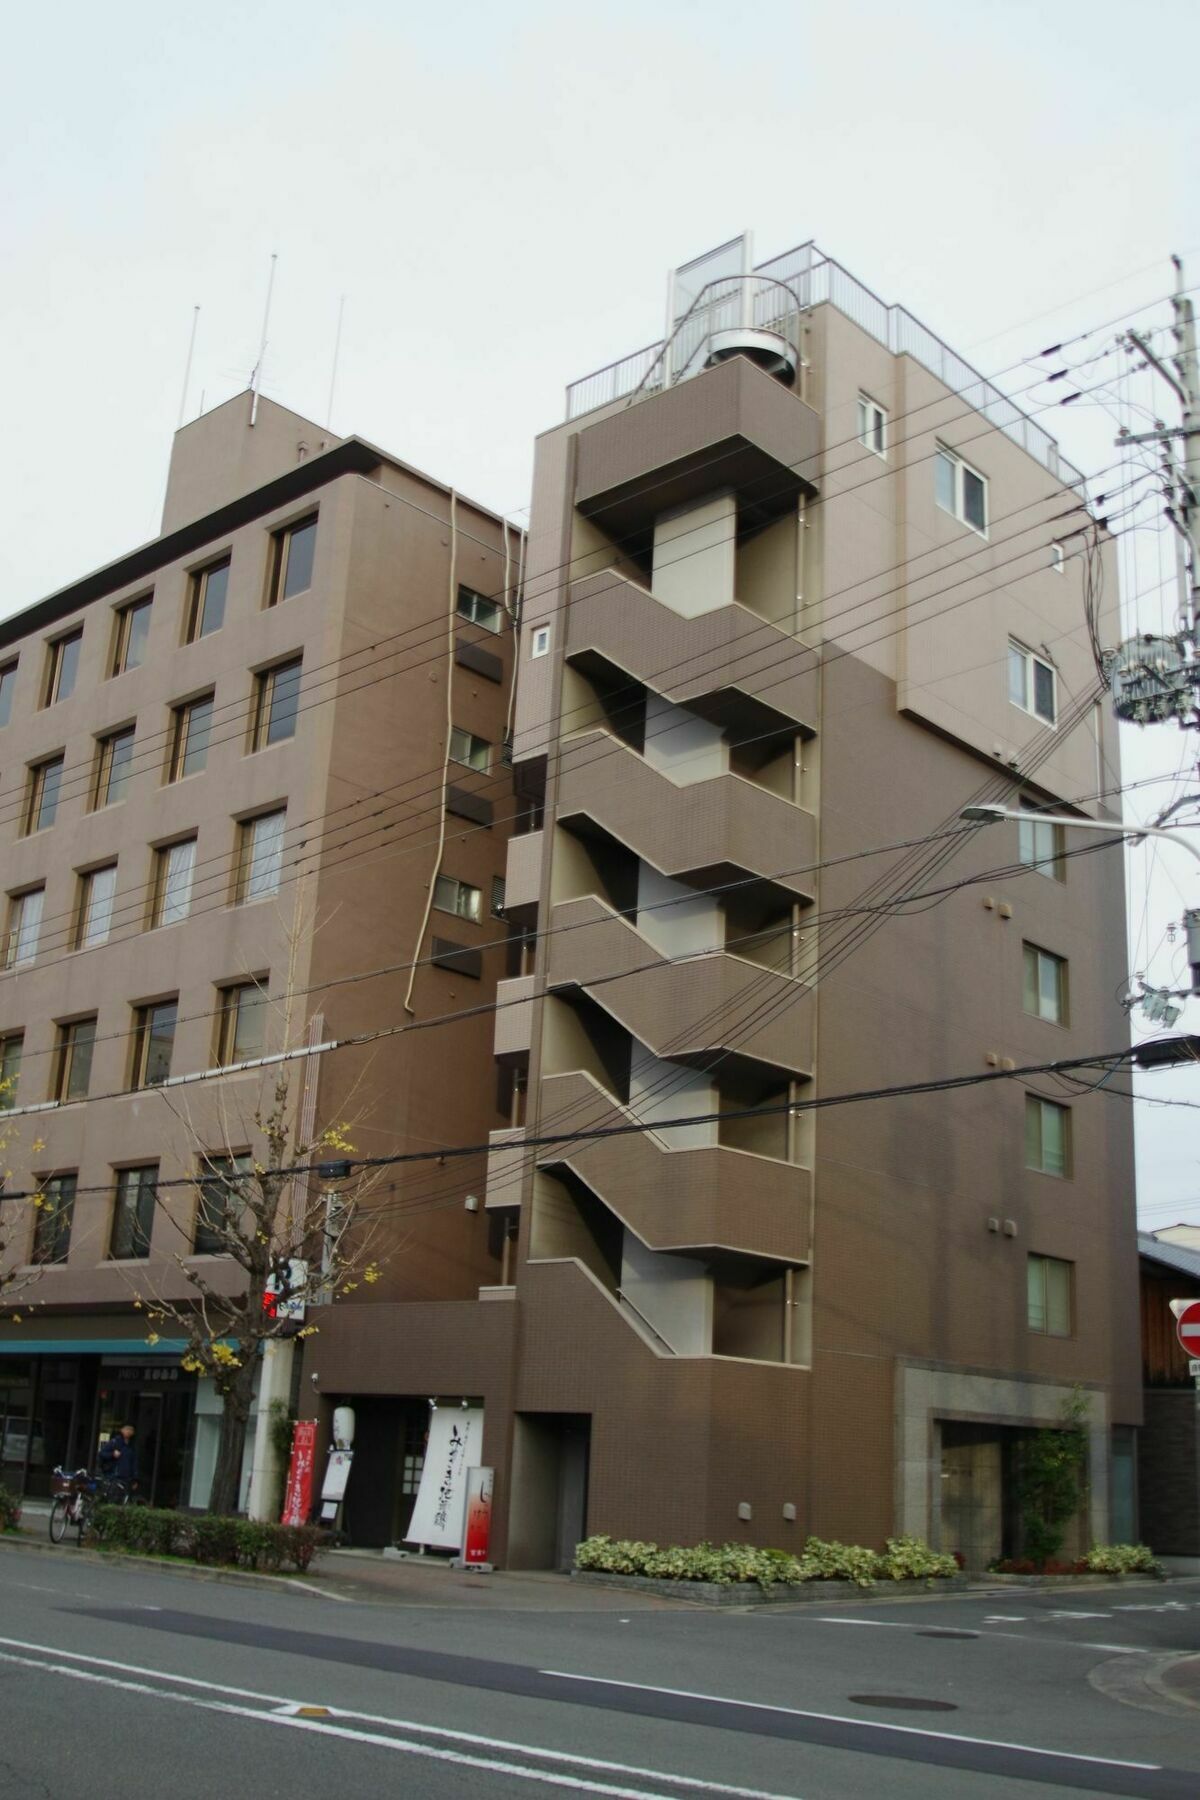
{"type": "Point", "coordinates": [989, 815]}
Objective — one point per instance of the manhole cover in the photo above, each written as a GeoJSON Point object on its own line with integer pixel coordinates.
{"type": "Point", "coordinates": [904, 1701]}
{"type": "Point", "coordinates": [948, 1633]}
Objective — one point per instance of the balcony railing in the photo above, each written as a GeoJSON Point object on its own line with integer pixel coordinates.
{"type": "Point", "coordinates": [812, 278]}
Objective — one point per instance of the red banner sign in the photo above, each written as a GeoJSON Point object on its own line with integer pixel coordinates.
{"type": "Point", "coordinates": [299, 1498]}
{"type": "Point", "coordinates": [479, 1515]}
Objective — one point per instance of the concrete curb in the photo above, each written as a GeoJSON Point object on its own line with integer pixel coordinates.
{"type": "Point", "coordinates": [749, 1593]}
{"type": "Point", "coordinates": [168, 1566]}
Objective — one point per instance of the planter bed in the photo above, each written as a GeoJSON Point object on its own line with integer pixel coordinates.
{"type": "Point", "coordinates": [749, 1593]}
{"type": "Point", "coordinates": [1090, 1578]}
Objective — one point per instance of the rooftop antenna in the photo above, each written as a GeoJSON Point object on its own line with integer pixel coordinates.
{"type": "Point", "coordinates": [337, 344]}
{"type": "Point", "coordinates": [187, 367]}
{"type": "Point", "coordinates": [256, 375]}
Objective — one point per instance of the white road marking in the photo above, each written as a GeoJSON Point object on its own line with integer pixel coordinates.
{"type": "Point", "coordinates": [287, 1715]}
{"type": "Point", "coordinates": [1066, 1614]}
{"type": "Point", "coordinates": [797, 1712]}
{"type": "Point", "coordinates": [886, 1624]}
{"type": "Point", "coordinates": [1005, 1619]}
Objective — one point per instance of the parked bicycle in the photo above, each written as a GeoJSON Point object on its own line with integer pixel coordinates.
{"type": "Point", "coordinates": [76, 1498]}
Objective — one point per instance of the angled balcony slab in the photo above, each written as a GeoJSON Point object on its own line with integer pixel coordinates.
{"type": "Point", "coordinates": [505, 1167]}
{"type": "Point", "coordinates": [709, 1198]}
{"type": "Point", "coordinates": [683, 1009]}
{"type": "Point", "coordinates": [728, 664]}
{"type": "Point", "coordinates": [707, 833]}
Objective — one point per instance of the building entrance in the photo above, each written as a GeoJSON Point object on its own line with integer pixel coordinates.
{"type": "Point", "coordinates": [157, 1399]}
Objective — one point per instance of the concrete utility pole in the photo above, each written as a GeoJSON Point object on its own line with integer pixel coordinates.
{"type": "Point", "coordinates": [1157, 679]}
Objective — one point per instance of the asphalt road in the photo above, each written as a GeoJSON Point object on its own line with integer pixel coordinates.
{"type": "Point", "coordinates": [126, 1682]}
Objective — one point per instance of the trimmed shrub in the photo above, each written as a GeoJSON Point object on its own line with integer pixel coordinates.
{"type": "Point", "coordinates": [209, 1539]}
{"type": "Point", "coordinates": [905, 1559]}
{"type": "Point", "coordinates": [1122, 1559]}
{"type": "Point", "coordinates": [10, 1510]}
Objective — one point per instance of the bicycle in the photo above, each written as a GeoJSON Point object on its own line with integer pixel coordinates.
{"type": "Point", "coordinates": [76, 1498]}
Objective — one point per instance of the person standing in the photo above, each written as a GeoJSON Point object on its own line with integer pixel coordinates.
{"type": "Point", "coordinates": [118, 1458]}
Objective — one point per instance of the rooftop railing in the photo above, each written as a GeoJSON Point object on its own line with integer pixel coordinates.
{"type": "Point", "coordinates": [813, 279]}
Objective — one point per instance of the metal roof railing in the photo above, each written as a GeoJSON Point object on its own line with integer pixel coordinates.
{"type": "Point", "coordinates": [814, 279]}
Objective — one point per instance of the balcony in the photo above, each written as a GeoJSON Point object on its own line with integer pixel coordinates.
{"type": "Point", "coordinates": [762, 441]}
{"type": "Point", "coordinates": [708, 1199]}
{"type": "Point", "coordinates": [713, 662]}
{"type": "Point", "coordinates": [709, 832]}
{"type": "Point", "coordinates": [514, 1019]}
{"type": "Point", "coordinates": [523, 876]}
{"type": "Point", "coordinates": [681, 1009]}
{"type": "Point", "coordinates": [505, 1167]}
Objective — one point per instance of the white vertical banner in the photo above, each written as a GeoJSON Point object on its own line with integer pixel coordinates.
{"type": "Point", "coordinates": [455, 1445]}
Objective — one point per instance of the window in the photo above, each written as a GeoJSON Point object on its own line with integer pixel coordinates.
{"type": "Point", "coordinates": [1049, 1295]}
{"type": "Point", "coordinates": [276, 702]}
{"type": "Point", "coordinates": [960, 489]}
{"type": "Point", "coordinates": [114, 761]}
{"type": "Point", "coordinates": [153, 1041]}
{"type": "Point", "coordinates": [221, 1200]}
{"type": "Point", "coordinates": [11, 1047]}
{"type": "Point", "coordinates": [1058, 559]}
{"type": "Point", "coordinates": [465, 747]}
{"type": "Point", "coordinates": [73, 1059]}
{"type": "Point", "coordinates": [1032, 684]}
{"type": "Point", "coordinates": [96, 890]}
{"type": "Point", "coordinates": [498, 892]}
{"type": "Point", "coordinates": [62, 666]}
{"type": "Point", "coordinates": [190, 732]}
{"type": "Point", "coordinates": [133, 1214]}
{"type": "Point", "coordinates": [24, 925]}
{"type": "Point", "coordinates": [1040, 845]}
{"type": "Point", "coordinates": [1047, 1136]}
{"type": "Point", "coordinates": [52, 1230]}
{"type": "Point", "coordinates": [1045, 985]}
{"type": "Point", "coordinates": [133, 628]}
{"type": "Point", "coordinates": [479, 609]}
{"type": "Point", "coordinates": [259, 857]}
{"type": "Point", "coordinates": [292, 561]}
{"type": "Point", "coordinates": [540, 645]}
{"type": "Point", "coordinates": [171, 892]}
{"type": "Point", "coordinates": [206, 601]}
{"type": "Point", "coordinates": [241, 1022]}
{"type": "Point", "coordinates": [458, 897]}
{"type": "Point", "coordinates": [8, 684]}
{"type": "Point", "coordinates": [45, 784]}
{"type": "Point", "coordinates": [872, 425]}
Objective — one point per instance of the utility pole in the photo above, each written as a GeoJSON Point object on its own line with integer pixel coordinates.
{"type": "Point", "coordinates": [1155, 679]}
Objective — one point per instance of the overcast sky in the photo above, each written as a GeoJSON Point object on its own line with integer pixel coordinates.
{"type": "Point", "coordinates": [498, 191]}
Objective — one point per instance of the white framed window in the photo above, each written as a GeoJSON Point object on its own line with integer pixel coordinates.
{"type": "Point", "coordinates": [1049, 1296]}
{"type": "Point", "coordinates": [479, 609]}
{"type": "Point", "coordinates": [171, 899]}
{"type": "Point", "coordinates": [458, 897]}
{"type": "Point", "coordinates": [1058, 558]}
{"type": "Point", "coordinates": [872, 425]}
{"type": "Point", "coordinates": [1032, 683]}
{"type": "Point", "coordinates": [466, 748]}
{"type": "Point", "coordinates": [960, 489]}
{"type": "Point", "coordinates": [540, 642]}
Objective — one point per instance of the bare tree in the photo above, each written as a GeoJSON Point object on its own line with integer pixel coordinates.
{"type": "Point", "coordinates": [15, 1280]}
{"type": "Point", "coordinates": [296, 1239]}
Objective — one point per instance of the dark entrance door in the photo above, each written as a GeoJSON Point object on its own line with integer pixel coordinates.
{"type": "Point", "coordinates": [389, 1452]}
{"type": "Point", "coordinates": [157, 1401]}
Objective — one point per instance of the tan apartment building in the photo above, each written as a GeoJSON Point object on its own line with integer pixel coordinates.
{"type": "Point", "coordinates": [233, 765]}
{"type": "Point", "coordinates": [801, 587]}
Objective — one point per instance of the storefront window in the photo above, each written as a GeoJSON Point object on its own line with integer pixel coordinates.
{"type": "Point", "coordinates": [16, 1396]}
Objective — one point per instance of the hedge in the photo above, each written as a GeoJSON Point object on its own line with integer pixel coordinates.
{"type": "Point", "coordinates": [207, 1538]}
{"type": "Point", "coordinates": [905, 1559]}
{"type": "Point", "coordinates": [1101, 1559]}
{"type": "Point", "coordinates": [10, 1509]}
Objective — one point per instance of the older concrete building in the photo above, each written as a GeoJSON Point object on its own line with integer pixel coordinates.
{"type": "Point", "coordinates": [231, 764]}
{"type": "Point", "coordinates": [801, 587]}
